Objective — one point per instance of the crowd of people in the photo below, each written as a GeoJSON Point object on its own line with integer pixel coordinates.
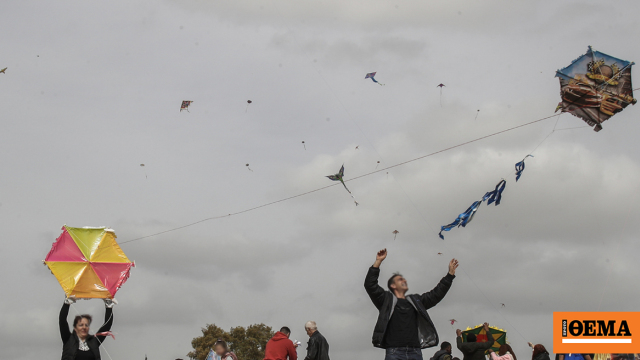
{"type": "Point", "coordinates": [403, 329]}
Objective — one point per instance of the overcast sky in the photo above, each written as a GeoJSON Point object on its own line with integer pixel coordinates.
{"type": "Point", "coordinates": [93, 90]}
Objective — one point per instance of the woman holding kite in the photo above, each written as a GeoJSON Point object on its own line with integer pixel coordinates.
{"type": "Point", "coordinates": [79, 344]}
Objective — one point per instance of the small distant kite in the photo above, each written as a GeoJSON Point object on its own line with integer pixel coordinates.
{"type": "Point", "coordinates": [185, 105]}
{"type": "Point", "coordinates": [502, 304]}
{"type": "Point", "coordinates": [395, 233]}
{"type": "Point", "coordinates": [3, 71]}
{"type": "Point", "coordinates": [595, 87]}
{"type": "Point", "coordinates": [357, 147]}
{"type": "Point", "coordinates": [339, 177]}
{"type": "Point", "coordinates": [377, 164]}
{"type": "Point", "coordinates": [303, 144]}
{"type": "Point", "coordinates": [477, 113]}
{"type": "Point", "coordinates": [439, 253]}
{"type": "Point", "coordinates": [248, 102]}
{"type": "Point", "coordinates": [453, 321]}
{"type": "Point", "coordinates": [248, 167]}
{"type": "Point", "coordinates": [145, 172]}
{"type": "Point", "coordinates": [441, 86]}
{"type": "Point", "coordinates": [371, 76]}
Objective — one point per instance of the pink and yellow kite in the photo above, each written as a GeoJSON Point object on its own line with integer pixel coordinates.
{"type": "Point", "coordinates": [88, 262]}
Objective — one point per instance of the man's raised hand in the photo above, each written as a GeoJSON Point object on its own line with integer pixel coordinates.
{"type": "Point", "coordinates": [458, 332]}
{"type": "Point", "coordinates": [453, 265]}
{"type": "Point", "coordinates": [380, 256]}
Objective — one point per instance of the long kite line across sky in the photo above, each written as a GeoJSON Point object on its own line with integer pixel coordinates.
{"type": "Point", "coordinates": [357, 177]}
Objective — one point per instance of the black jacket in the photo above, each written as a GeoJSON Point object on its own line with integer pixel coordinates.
{"type": "Point", "coordinates": [441, 355]}
{"type": "Point", "coordinates": [385, 302]}
{"type": "Point", "coordinates": [70, 341]}
{"type": "Point", "coordinates": [317, 347]}
{"type": "Point", "coordinates": [474, 350]}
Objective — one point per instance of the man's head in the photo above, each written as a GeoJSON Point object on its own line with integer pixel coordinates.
{"type": "Point", "coordinates": [397, 284]}
{"type": "Point", "coordinates": [446, 346]}
{"type": "Point", "coordinates": [310, 327]}
{"type": "Point", "coordinates": [285, 330]}
{"type": "Point", "coordinates": [471, 338]}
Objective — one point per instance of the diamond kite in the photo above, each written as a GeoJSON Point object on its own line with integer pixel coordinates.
{"type": "Point", "coordinates": [371, 76]}
{"type": "Point", "coordinates": [185, 105]}
{"type": "Point", "coordinates": [88, 262]}
{"type": "Point", "coordinates": [339, 177]}
{"type": "Point", "coordinates": [499, 336]}
{"type": "Point", "coordinates": [595, 87]}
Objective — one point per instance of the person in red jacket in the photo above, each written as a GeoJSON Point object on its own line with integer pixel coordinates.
{"type": "Point", "coordinates": [280, 347]}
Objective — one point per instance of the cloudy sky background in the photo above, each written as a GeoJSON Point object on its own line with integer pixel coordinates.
{"type": "Point", "coordinates": [93, 90]}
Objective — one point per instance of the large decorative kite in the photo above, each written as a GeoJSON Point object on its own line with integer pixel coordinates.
{"type": "Point", "coordinates": [499, 336]}
{"type": "Point", "coordinates": [595, 87]}
{"type": "Point", "coordinates": [88, 262]}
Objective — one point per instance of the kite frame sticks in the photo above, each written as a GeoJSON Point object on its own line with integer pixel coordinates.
{"type": "Point", "coordinates": [334, 184]}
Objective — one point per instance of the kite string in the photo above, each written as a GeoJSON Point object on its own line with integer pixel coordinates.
{"type": "Point", "coordinates": [355, 178]}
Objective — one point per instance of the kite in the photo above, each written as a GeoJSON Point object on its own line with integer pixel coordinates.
{"type": "Point", "coordinates": [439, 253]}
{"type": "Point", "coordinates": [185, 105]}
{"type": "Point", "coordinates": [212, 355]}
{"type": "Point", "coordinates": [395, 233]}
{"type": "Point", "coordinates": [499, 336]}
{"type": "Point", "coordinates": [305, 146]}
{"type": "Point", "coordinates": [520, 167]}
{"type": "Point", "coordinates": [371, 76]}
{"type": "Point", "coordinates": [466, 217]}
{"type": "Point", "coordinates": [502, 304]}
{"type": "Point", "coordinates": [378, 163]}
{"type": "Point", "coordinates": [145, 173]}
{"type": "Point", "coordinates": [357, 147]}
{"type": "Point", "coordinates": [595, 87]}
{"type": "Point", "coordinates": [477, 113]}
{"type": "Point", "coordinates": [3, 71]}
{"type": "Point", "coordinates": [441, 86]}
{"type": "Point", "coordinates": [339, 177]}
{"type": "Point", "coordinates": [248, 102]}
{"type": "Point", "coordinates": [453, 321]}
{"type": "Point", "coordinates": [88, 262]}
{"type": "Point", "coordinates": [248, 167]}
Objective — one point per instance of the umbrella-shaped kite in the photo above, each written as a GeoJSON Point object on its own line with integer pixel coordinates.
{"type": "Point", "coordinates": [595, 87]}
{"type": "Point", "coordinates": [88, 262]}
{"type": "Point", "coordinates": [499, 336]}
{"type": "Point", "coordinates": [185, 105]}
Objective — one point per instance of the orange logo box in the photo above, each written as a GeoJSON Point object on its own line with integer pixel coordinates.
{"type": "Point", "coordinates": [596, 332]}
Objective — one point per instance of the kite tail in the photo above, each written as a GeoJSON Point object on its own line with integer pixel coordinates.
{"type": "Point", "coordinates": [349, 191]}
{"type": "Point", "coordinates": [345, 186]}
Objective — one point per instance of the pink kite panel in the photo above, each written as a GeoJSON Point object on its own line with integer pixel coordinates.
{"type": "Point", "coordinates": [65, 249]}
{"type": "Point", "coordinates": [113, 275]}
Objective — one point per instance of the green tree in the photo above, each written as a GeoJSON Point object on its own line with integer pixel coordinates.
{"type": "Point", "coordinates": [247, 344]}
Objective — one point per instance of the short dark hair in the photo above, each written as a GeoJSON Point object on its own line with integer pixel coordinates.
{"type": "Point", "coordinates": [77, 319]}
{"type": "Point", "coordinates": [285, 330]}
{"type": "Point", "coordinates": [471, 338]}
{"type": "Point", "coordinates": [221, 343]}
{"type": "Point", "coordinates": [391, 280]}
{"type": "Point", "coordinates": [445, 345]}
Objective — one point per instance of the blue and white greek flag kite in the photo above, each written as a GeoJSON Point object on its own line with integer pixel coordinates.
{"type": "Point", "coordinates": [212, 355]}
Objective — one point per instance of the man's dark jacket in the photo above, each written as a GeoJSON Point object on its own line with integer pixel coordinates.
{"type": "Point", "coordinates": [317, 347]}
{"type": "Point", "coordinates": [386, 301]}
{"type": "Point", "coordinates": [474, 350]}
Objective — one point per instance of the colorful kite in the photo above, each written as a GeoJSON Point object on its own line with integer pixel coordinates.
{"type": "Point", "coordinates": [595, 87]}
{"type": "Point", "coordinates": [339, 177]}
{"type": "Point", "coordinates": [88, 262]}
{"type": "Point", "coordinates": [499, 336]}
{"type": "Point", "coordinates": [185, 105]}
{"type": "Point", "coordinates": [453, 321]}
{"type": "Point", "coordinates": [3, 71]}
{"type": "Point", "coordinates": [371, 76]}
{"type": "Point", "coordinates": [520, 167]}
